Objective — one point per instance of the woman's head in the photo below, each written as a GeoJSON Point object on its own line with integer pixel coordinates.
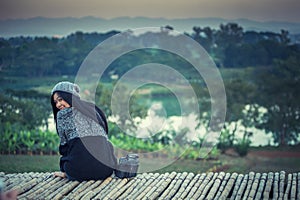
{"type": "Point", "coordinates": [60, 102]}
{"type": "Point", "coordinates": [62, 95]}
{"type": "Point", "coordinates": [66, 94]}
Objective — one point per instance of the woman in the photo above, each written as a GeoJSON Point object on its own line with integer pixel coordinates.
{"type": "Point", "coordinates": [82, 127]}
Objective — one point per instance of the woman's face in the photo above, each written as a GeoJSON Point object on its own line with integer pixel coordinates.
{"type": "Point", "coordinates": [59, 102]}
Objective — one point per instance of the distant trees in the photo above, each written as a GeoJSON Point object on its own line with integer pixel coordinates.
{"type": "Point", "coordinates": [43, 56]}
{"type": "Point", "coordinates": [229, 46]}
{"type": "Point", "coordinates": [279, 93]}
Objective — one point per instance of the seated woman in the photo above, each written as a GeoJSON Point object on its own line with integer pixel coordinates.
{"type": "Point", "coordinates": [86, 153]}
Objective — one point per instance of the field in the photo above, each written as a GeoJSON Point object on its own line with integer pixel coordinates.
{"type": "Point", "coordinates": [257, 160]}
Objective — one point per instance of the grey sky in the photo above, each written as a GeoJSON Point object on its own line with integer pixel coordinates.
{"type": "Point", "coordinates": [261, 10]}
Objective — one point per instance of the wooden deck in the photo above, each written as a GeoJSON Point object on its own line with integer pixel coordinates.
{"type": "Point", "coordinates": [272, 185]}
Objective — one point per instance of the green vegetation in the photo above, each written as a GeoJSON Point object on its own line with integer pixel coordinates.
{"type": "Point", "coordinates": [230, 46]}
{"type": "Point", "coordinates": [254, 161]}
{"type": "Point", "coordinates": [27, 163]}
{"type": "Point", "coordinates": [28, 142]}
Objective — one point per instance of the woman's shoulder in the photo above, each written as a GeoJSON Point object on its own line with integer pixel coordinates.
{"type": "Point", "coordinates": [65, 112]}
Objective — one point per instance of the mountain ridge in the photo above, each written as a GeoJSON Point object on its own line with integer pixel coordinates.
{"type": "Point", "coordinates": [43, 26]}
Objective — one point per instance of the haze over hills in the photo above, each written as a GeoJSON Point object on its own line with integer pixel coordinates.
{"type": "Point", "coordinates": [41, 26]}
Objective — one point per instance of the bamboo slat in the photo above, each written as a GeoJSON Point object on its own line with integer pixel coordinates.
{"type": "Point", "coordinates": [242, 188]}
{"type": "Point", "coordinates": [96, 187]}
{"type": "Point", "coordinates": [222, 187]}
{"type": "Point", "coordinates": [276, 186]}
{"type": "Point", "coordinates": [101, 188]}
{"type": "Point", "coordinates": [118, 187]}
{"type": "Point", "coordinates": [122, 190]}
{"type": "Point", "coordinates": [202, 185]}
{"type": "Point", "coordinates": [154, 186]}
{"type": "Point", "coordinates": [198, 181]}
{"type": "Point", "coordinates": [268, 186]}
{"type": "Point", "coordinates": [48, 191]}
{"type": "Point", "coordinates": [281, 184]}
{"type": "Point", "coordinates": [248, 185]}
{"type": "Point", "coordinates": [148, 186]}
{"type": "Point", "coordinates": [294, 186]}
{"type": "Point", "coordinates": [236, 187]}
{"type": "Point", "coordinates": [135, 182]}
{"type": "Point", "coordinates": [170, 187]}
{"type": "Point", "coordinates": [288, 187]}
{"type": "Point", "coordinates": [298, 187]}
{"type": "Point", "coordinates": [261, 186]}
{"type": "Point", "coordinates": [38, 189]}
{"type": "Point", "coordinates": [184, 187]}
{"type": "Point", "coordinates": [79, 188]}
{"type": "Point", "coordinates": [254, 186]}
{"type": "Point", "coordinates": [160, 187]}
{"type": "Point", "coordinates": [216, 185]}
{"type": "Point", "coordinates": [228, 184]}
{"type": "Point", "coordinates": [137, 189]}
{"type": "Point", "coordinates": [193, 180]}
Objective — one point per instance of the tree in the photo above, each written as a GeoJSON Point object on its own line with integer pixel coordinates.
{"type": "Point", "coordinates": [279, 87]}
{"type": "Point", "coordinates": [284, 37]}
{"type": "Point", "coordinates": [29, 109]}
{"type": "Point", "coordinates": [204, 36]}
{"type": "Point", "coordinates": [103, 98]}
{"type": "Point", "coordinates": [240, 93]}
{"type": "Point", "coordinates": [229, 36]}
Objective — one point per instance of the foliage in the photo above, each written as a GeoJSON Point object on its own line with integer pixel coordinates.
{"type": "Point", "coordinates": [229, 46]}
{"type": "Point", "coordinates": [103, 97]}
{"type": "Point", "coordinates": [281, 100]}
{"type": "Point", "coordinates": [28, 109]}
{"type": "Point", "coordinates": [226, 140]}
{"type": "Point", "coordinates": [201, 153]}
{"type": "Point", "coordinates": [128, 142]}
{"type": "Point", "coordinates": [272, 83]}
{"type": "Point", "coordinates": [242, 145]}
{"type": "Point", "coordinates": [14, 141]}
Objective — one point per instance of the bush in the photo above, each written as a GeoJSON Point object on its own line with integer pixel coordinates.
{"type": "Point", "coordinates": [225, 141]}
{"type": "Point", "coordinates": [15, 140]}
{"type": "Point", "coordinates": [242, 145]}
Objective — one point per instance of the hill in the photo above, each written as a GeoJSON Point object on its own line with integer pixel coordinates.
{"type": "Point", "coordinates": [40, 26]}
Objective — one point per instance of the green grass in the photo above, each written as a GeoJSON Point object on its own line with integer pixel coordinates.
{"type": "Point", "coordinates": [28, 163]}
{"type": "Point", "coordinates": [50, 163]}
{"type": "Point", "coordinates": [194, 166]}
{"type": "Point", "coordinates": [225, 162]}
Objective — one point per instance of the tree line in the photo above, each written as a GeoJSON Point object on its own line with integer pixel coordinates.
{"type": "Point", "coordinates": [229, 46]}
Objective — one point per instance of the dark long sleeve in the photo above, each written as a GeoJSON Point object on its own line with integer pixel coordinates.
{"type": "Point", "coordinates": [86, 152]}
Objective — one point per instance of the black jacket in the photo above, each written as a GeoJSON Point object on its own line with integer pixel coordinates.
{"type": "Point", "coordinates": [86, 152]}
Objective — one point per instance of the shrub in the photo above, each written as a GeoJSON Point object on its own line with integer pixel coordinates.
{"type": "Point", "coordinates": [225, 141]}
{"type": "Point", "coordinates": [242, 145]}
{"type": "Point", "coordinates": [15, 140]}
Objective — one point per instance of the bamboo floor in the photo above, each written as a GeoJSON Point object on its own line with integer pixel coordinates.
{"type": "Point", "coordinates": [272, 185]}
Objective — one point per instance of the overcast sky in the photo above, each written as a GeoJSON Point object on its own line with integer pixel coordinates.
{"type": "Point", "coordinates": [261, 10]}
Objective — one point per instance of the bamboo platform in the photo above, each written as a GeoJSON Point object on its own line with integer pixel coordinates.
{"type": "Point", "coordinates": [272, 185]}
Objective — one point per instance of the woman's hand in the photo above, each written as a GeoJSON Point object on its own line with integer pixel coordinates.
{"type": "Point", "coordinates": [60, 174]}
